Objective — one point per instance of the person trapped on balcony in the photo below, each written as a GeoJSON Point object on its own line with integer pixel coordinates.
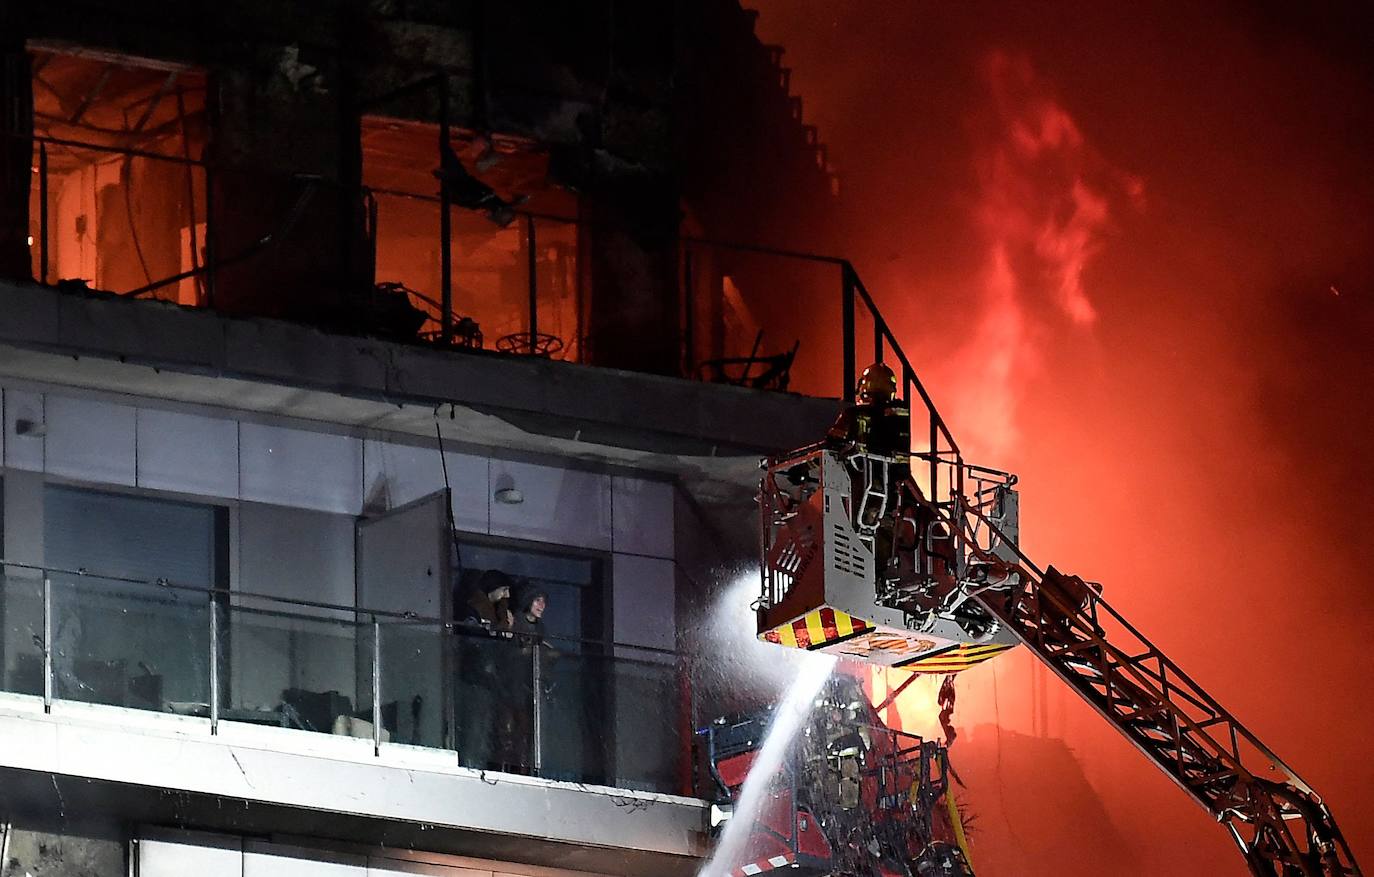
{"type": "Point", "coordinates": [484, 619]}
{"type": "Point", "coordinates": [518, 688]}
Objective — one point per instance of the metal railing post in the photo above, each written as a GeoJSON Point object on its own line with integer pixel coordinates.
{"type": "Point", "coordinates": [532, 261]}
{"type": "Point", "coordinates": [47, 644]}
{"type": "Point", "coordinates": [934, 461]}
{"type": "Point", "coordinates": [847, 331]}
{"type": "Point", "coordinates": [211, 255]}
{"type": "Point", "coordinates": [445, 225]}
{"type": "Point", "coordinates": [537, 725]}
{"type": "Point", "coordinates": [689, 314]}
{"type": "Point", "coordinates": [879, 330]}
{"type": "Point", "coordinates": [214, 664]}
{"type": "Point", "coordinates": [376, 687]}
{"type": "Point", "coordinates": [43, 213]}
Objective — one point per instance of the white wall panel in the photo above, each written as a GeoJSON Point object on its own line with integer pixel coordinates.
{"type": "Point", "coordinates": [188, 453]}
{"type": "Point", "coordinates": [271, 860]}
{"type": "Point", "coordinates": [297, 554]}
{"type": "Point", "coordinates": [300, 555]}
{"type": "Point", "coordinates": [643, 602]}
{"type": "Point", "coordinates": [218, 857]}
{"type": "Point", "coordinates": [396, 474]}
{"type": "Point", "coordinates": [563, 506]}
{"type": "Point", "coordinates": [23, 451]}
{"type": "Point", "coordinates": [90, 440]}
{"type": "Point", "coordinates": [643, 516]}
{"type": "Point", "coordinates": [378, 867]}
{"type": "Point", "coordinates": [293, 467]}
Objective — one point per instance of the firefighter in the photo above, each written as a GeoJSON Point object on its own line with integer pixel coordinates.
{"type": "Point", "coordinates": [874, 435]}
{"type": "Point", "coordinates": [878, 422]}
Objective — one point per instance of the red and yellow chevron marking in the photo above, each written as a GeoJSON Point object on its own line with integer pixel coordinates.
{"type": "Point", "coordinates": [816, 628]}
{"type": "Point", "coordinates": [955, 660]}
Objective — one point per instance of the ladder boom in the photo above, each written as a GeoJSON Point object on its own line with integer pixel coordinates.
{"type": "Point", "coordinates": [1279, 823]}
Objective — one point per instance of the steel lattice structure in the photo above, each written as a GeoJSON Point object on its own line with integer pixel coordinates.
{"type": "Point", "coordinates": [1279, 823]}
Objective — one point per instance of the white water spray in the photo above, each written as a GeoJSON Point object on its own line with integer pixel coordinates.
{"type": "Point", "coordinates": [788, 716]}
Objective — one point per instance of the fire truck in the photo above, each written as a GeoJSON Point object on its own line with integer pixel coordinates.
{"type": "Point", "coordinates": [852, 796]}
{"type": "Point", "coordinates": [912, 560]}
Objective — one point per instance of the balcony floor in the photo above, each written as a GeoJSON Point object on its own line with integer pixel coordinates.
{"type": "Point", "coordinates": [91, 760]}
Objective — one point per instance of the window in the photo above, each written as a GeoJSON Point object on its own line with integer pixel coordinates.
{"type": "Point", "coordinates": [118, 220]}
{"type": "Point", "coordinates": [575, 617]}
{"type": "Point", "coordinates": [119, 636]}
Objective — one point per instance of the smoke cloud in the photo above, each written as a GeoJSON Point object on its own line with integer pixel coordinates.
{"type": "Point", "coordinates": [1041, 207]}
{"type": "Point", "coordinates": [1108, 238]}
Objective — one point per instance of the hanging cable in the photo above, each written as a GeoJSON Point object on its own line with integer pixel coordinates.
{"type": "Point", "coordinates": [126, 172]}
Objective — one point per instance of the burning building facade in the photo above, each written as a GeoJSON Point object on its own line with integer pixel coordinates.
{"type": "Point", "coordinates": [321, 326]}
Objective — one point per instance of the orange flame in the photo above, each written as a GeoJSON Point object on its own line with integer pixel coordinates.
{"type": "Point", "coordinates": [1042, 207]}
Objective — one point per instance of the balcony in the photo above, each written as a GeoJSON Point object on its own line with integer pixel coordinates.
{"type": "Point", "coordinates": [125, 198]}
{"type": "Point", "coordinates": [549, 751]}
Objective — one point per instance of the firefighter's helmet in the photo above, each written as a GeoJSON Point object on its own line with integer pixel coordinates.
{"type": "Point", "coordinates": [877, 385]}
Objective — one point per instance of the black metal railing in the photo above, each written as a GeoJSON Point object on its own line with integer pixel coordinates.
{"type": "Point", "coordinates": [750, 315]}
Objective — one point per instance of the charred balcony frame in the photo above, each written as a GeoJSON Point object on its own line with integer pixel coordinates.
{"type": "Point", "coordinates": [855, 303]}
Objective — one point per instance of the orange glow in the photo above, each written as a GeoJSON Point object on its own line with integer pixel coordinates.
{"type": "Point", "coordinates": [115, 221]}
{"type": "Point", "coordinates": [914, 710]}
{"type": "Point", "coordinates": [1042, 207]}
{"type": "Point", "coordinates": [1111, 243]}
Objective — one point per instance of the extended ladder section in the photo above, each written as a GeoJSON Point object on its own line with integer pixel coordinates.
{"type": "Point", "coordinates": [1277, 820]}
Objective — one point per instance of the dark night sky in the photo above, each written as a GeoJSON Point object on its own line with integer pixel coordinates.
{"type": "Point", "coordinates": [1129, 248]}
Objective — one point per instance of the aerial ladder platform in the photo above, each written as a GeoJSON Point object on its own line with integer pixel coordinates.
{"type": "Point", "coordinates": [912, 560]}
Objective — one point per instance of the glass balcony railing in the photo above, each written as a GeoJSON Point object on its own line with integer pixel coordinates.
{"type": "Point", "coordinates": [564, 710]}
{"type": "Point", "coordinates": [126, 643]}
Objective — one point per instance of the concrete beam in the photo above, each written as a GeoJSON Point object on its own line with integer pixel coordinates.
{"type": "Point", "coordinates": [701, 432]}
{"type": "Point", "coordinates": [90, 761]}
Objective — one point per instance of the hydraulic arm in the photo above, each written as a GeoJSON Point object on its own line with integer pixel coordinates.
{"type": "Point", "coordinates": [1278, 821]}
{"type": "Point", "coordinates": [862, 560]}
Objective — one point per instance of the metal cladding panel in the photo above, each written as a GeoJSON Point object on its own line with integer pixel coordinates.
{"type": "Point", "coordinates": [292, 467]}
{"type": "Point", "coordinates": [850, 577]}
{"type": "Point", "coordinates": [564, 506]}
{"type": "Point", "coordinates": [377, 867]}
{"type": "Point", "coordinates": [216, 857]}
{"type": "Point", "coordinates": [402, 559]}
{"type": "Point", "coordinates": [23, 451]}
{"type": "Point", "coordinates": [297, 554]}
{"type": "Point", "coordinates": [274, 860]}
{"type": "Point", "coordinates": [644, 602]}
{"type": "Point", "coordinates": [188, 453]}
{"type": "Point", "coordinates": [395, 474]}
{"type": "Point", "coordinates": [642, 516]}
{"type": "Point", "coordinates": [91, 440]}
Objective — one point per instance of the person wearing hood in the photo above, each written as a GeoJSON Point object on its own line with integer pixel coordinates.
{"type": "Point", "coordinates": [517, 724]}
{"type": "Point", "coordinates": [488, 604]}
{"type": "Point", "coordinates": [483, 615]}
{"type": "Point", "coordinates": [528, 619]}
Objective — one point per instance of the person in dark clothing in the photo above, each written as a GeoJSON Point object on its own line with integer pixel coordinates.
{"type": "Point", "coordinates": [531, 602]}
{"type": "Point", "coordinates": [878, 422]}
{"type": "Point", "coordinates": [518, 686]}
{"type": "Point", "coordinates": [482, 617]}
{"type": "Point", "coordinates": [873, 435]}
{"type": "Point", "coordinates": [488, 604]}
